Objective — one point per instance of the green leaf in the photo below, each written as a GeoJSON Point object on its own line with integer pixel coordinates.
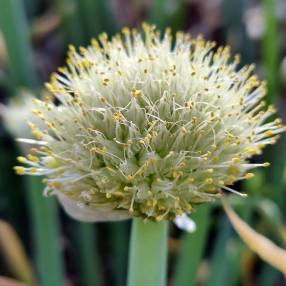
{"type": "Point", "coordinates": [16, 34]}
{"type": "Point", "coordinates": [119, 237]}
{"type": "Point", "coordinates": [46, 235]}
{"type": "Point", "coordinates": [87, 257]}
{"type": "Point", "coordinates": [270, 49]}
{"type": "Point", "coordinates": [192, 248]}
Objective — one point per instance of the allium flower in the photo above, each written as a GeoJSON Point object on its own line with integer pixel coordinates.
{"type": "Point", "coordinates": [148, 126]}
{"type": "Point", "coordinates": [16, 112]}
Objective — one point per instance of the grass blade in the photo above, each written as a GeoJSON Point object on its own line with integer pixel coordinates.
{"type": "Point", "coordinates": [68, 11]}
{"type": "Point", "coordinates": [119, 233]}
{"type": "Point", "coordinates": [219, 262]}
{"type": "Point", "coordinates": [192, 249]}
{"type": "Point", "coordinates": [270, 49]}
{"type": "Point", "coordinates": [87, 254]}
{"type": "Point", "coordinates": [268, 276]}
{"type": "Point", "coordinates": [158, 14]}
{"type": "Point", "coordinates": [14, 27]}
{"type": "Point", "coordinates": [96, 17]}
{"type": "Point", "coordinates": [46, 235]}
{"type": "Point", "coordinates": [262, 246]}
{"type": "Point", "coordinates": [44, 214]}
{"type": "Point", "coordinates": [15, 255]}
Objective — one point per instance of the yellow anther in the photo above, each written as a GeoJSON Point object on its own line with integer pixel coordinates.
{"type": "Point", "coordinates": [118, 116]}
{"type": "Point", "coordinates": [251, 150]}
{"type": "Point", "coordinates": [268, 133]}
{"type": "Point", "coordinates": [249, 176]}
{"type": "Point", "coordinates": [62, 69]}
{"type": "Point", "coordinates": [94, 43]}
{"type": "Point", "coordinates": [105, 81]}
{"type": "Point", "coordinates": [22, 159]}
{"type": "Point", "coordinates": [159, 218]}
{"type": "Point", "coordinates": [37, 134]}
{"type": "Point", "coordinates": [130, 178]}
{"type": "Point", "coordinates": [209, 181]}
{"type": "Point", "coordinates": [230, 179]}
{"type": "Point", "coordinates": [136, 92]}
{"type": "Point", "coordinates": [33, 170]}
{"type": "Point", "coordinates": [266, 164]}
{"type": "Point", "coordinates": [194, 120]}
{"type": "Point", "coordinates": [35, 111]}
{"type": "Point", "coordinates": [148, 203]}
{"type": "Point", "coordinates": [19, 170]}
{"type": "Point", "coordinates": [125, 30]}
{"type": "Point", "coordinates": [49, 124]}
{"type": "Point", "coordinates": [271, 109]}
{"type": "Point", "coordinates": [55, 185]}
{"type": "Point", "coordinates": [82, 50]}
{"type": "Point", "coordinates": [72, 48]}
{"type": "Point", "coordinates": [235, 160]}
{"type": "Point", "coordinates": [33, 158]}
{"type": "Point", "coordinates": [237, 58]}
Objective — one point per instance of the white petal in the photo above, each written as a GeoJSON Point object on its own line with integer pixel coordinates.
{"type": "Point", "coordinates": [87, 214]}
{"type": "Point", "coordinates": [185, 223]}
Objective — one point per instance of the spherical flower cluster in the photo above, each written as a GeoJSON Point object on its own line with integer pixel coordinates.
{"type": "Point", "coordinates": [148, 126]}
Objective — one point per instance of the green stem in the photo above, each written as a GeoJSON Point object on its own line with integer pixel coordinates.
{"type": "Point", "coordinates": [14, 26]}
{"type": "Point", "coordinates": [148, 253]}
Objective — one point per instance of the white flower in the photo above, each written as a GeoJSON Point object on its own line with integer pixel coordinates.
{"type": "Point", "coordinates": [16, 114]}
{"type": "Point", "coordinates": [148, 126]}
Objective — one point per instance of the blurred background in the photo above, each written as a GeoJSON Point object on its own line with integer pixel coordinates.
{"type": "Point", "coordinates": [39, 244]}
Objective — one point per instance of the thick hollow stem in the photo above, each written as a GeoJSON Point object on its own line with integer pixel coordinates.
{"type": "Point", "coordinates": [148, 254]}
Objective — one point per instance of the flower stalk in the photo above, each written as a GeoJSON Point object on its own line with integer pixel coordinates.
{"type": "Point", "coordinates": [148, 253]}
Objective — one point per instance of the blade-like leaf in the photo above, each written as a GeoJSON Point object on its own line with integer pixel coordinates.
{"type": "Point", "coordinates": [46, 235]}
{"type": "Point", "coordinates": [192, 248]}
{"type": "Point", "coordinates": [15, 30]}
{"type": "Point", "coordinates": [15, 255]}
{"type": "Point", "coordinates": [261, 245]}
{"type": "Point", "coordinates": [5, 281]}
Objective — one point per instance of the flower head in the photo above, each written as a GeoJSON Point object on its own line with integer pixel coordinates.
{"type": "Point", "coordinates": [149, 126]}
